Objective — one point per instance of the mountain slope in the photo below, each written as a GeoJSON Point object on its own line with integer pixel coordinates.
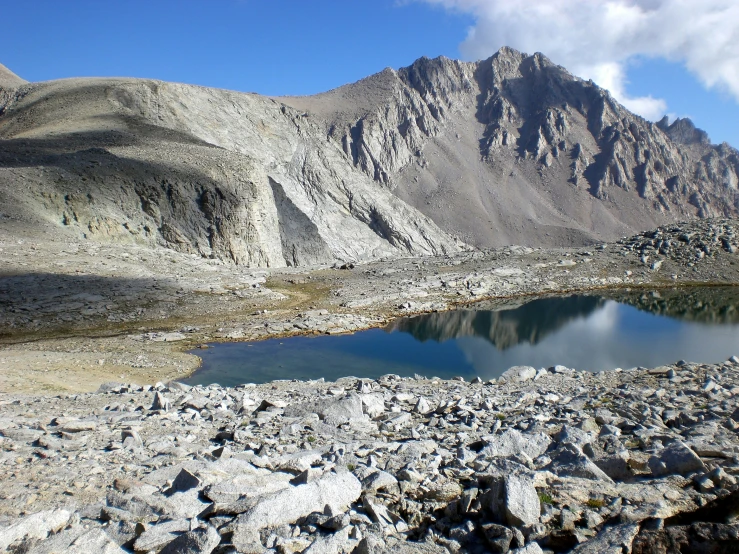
{"type": "Point", "coordinates": [8, 79]}
{"type": "Point", "coordinates": [514, 149]}
{"type": "Point", "coordinates": [510, 150]}
{"type": "Point", "coordinates": [233, 176]}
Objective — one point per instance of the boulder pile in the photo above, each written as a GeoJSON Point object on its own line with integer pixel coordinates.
{"type": "Point", "coordinates": [541, 460]}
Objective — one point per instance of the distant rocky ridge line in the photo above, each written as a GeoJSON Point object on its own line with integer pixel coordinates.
{"type": "Point", "coordinates": [420, 161]}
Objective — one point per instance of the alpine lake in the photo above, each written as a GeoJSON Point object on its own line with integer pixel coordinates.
{"type": "Point", "coordinates": [598, 332]}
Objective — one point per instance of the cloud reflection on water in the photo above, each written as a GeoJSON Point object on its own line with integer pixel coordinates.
{"type": "Point", "coordinates": [611, 336]}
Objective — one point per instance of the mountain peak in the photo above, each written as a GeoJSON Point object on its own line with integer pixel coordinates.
{"type": "Point", "coordinates": [684, 131]}
{"type": "Point", "coordinates": [8, 79]}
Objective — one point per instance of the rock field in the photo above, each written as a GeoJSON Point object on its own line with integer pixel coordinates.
{"type": "Point", "coordinates": [542, 460]}
{"type": "Point", "coordinates": [548, 460]}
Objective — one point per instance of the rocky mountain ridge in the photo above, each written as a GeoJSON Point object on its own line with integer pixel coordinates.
{"type": "Point", "coordinates": [545, 145]}
{"type": "Point", "coordinates": [419, 161]}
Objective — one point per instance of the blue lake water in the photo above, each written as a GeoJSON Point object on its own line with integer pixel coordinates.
{"type": "Point", "coordinates": [593, 333]}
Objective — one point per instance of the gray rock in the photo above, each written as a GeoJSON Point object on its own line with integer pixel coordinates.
{"type": "Point", "coordinates": [306, 476]}
{"type": "Point", "coordinates": [517, 374]}
{"type": "Point", "coordinates": [336, 490]}
{"type": "Point", "coordinates": [337, 543]}
{"type": "Point", "coordinates": [531, 548]}
{"type": "Point", "coordinates": [298, 462]}
{"type": "Point", "coordinates": [35, 526]}
{"type": "Point", "coordinates": [78, 426]}
{"type": "Point", "coordinates": [183, 504]}
{"type": "Point", "coordinates": [615, 539]}
{"type": "Point", "coordinates": [377, 511]}
{"type": "Point", "coordinates": [373, 404]}
{"type": "Point", "coordinates": [95, 540]}
{"type": "Point", "coordinates": [374, 545]}
{"type": "Point", "coordinates": [675, 458]}
{"type": "Point", "coordinates": [157, 536]}
{"type": "Point", "coordinates": [513, 443]}
{"type": "Point", "coordinates": [573, 435]}
{"type": "Point", "coordinates": [422, 406]}
{"type": "Point", "coordinates": [161, 403]}
{"type": "Point", "coordinates": [58, 542]}
{"type": "Point", "coordinates": [131, 439]}
{"type": "Point", "coordinates": [24, 435]}
{"type": "Point", "coordinates": [184, 482]}
{"type": "Point", "coordinates": [616, 465]}
{"type": "Point", "coordinates": [497, 538]}
{"type": "Point", "coordinates": [333, 411]}
{"type": "Point", "coordinates": [198, 541]}
{"type": "Point", "coordinates": [370, 544]}
{"type": "Point", "coordinates": [569, 461]}
{"type": "Point", "coordinates": [110, 386]}
{"type": "Point", "coordinates": [379, 480]}
{"type": "Point", "coordinates": [513, 500]}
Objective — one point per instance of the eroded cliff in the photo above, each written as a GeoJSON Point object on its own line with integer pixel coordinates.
{"type": "Point", "coordinates": [419, 161]}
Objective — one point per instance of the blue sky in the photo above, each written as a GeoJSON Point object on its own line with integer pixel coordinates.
{"type": "Point", "coordinates": [304, 46]}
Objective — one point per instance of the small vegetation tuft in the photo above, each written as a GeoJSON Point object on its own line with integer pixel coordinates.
{"type": "Point", "coordinates": [546, 498]}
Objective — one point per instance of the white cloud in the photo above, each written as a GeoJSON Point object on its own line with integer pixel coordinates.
{"type": "Point", "coordinates": [596, 39]}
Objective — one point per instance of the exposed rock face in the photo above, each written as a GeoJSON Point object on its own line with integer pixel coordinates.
{"type": "Point", "coordinates": [232, 176]}
{"type": "Point", "coordinates": [514, 149]}
{"type": "Point", "coordinates": [510, 150]}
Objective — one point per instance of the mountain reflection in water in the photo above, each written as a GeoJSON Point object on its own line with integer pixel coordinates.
{"type": "Point", "coordinates": [623, 329]}
{"type": "Point", "coordinates": [595, 333]}
{"type": "Point", "coordinates": [505, 328]}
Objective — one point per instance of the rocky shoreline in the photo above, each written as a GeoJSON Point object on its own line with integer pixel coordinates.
{"type": "Point", "coordinates": [73, 316]}
{"type": "Point", "coordinates": [551, 460]}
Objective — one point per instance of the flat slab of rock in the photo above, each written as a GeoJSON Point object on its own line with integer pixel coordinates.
{"type": "Point", "coordinates": [96, 541]}
{"type": "Point", "coordinates": [517, 374]}
{"type": "Point", "coordinates": [570, 461]}
{"type": "Point", "coordinates": [513, 443]}
{"type": "Point", "coordinates": [35, 526]}
{"type": "Point", "coordinates": [337, 490]}
{"type": "Point", "coordinates": [333, 411]}
{"type": "Point", "coordinates": [611, 540]}
{"type": "Point", "coordinates": [159, 535]}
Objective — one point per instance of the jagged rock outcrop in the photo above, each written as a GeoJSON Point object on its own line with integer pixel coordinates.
{"type": "Point", "coordinates": [419, 161]}
{"type": "Point", "coordinates": [514, 149]}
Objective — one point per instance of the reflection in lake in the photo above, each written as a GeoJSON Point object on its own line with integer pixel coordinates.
{"type": "Point", "coordinates": [504, 328]}
{"type": "Point", "coordinates": [593, 333]}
